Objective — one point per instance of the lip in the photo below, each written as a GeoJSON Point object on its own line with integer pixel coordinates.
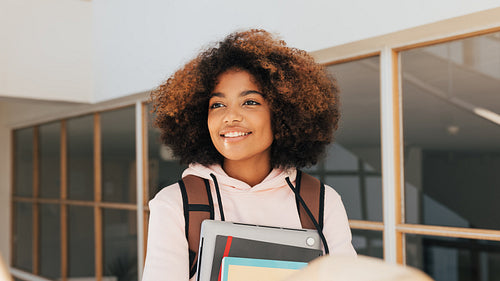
{"type": "Point", "coordinates": [234, 134]}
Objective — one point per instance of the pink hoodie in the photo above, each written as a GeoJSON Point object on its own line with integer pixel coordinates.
{"type": "Point", "coordinates": [270, 202]}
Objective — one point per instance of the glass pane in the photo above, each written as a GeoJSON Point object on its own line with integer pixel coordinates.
{"type": "Point", "coordinates": [81, 242]}
{"type": "Point", "coordinates": [118, 155]}
{"type": "Point", "coordinates": [368, 242]}
{"type": "Point", "coordinates": [373, 198]}
{"type": "Point", "coordinates": [340, 159]}
{"type": "Point", "coordinates": [348, 188]}
{"type": "Point", "coordinates": [80, 137]}
{"type": "Point", "coordinates": [352, 165]}
{"type": "Point", "coordinates": [23, 155]}
{"type": "Point", "coordinates": [23, 236]}
{"type": "Point", "coordinates": [452, 132]}
{"type": "Point", "coordinates": [50, 159]}
{"type": "Point", "coordinates": [120, 244]}
{"type": "Point", "coordinates": [164, 169]}
{"type": "Point", "coordinates": [450, 259]}
{"type": "Point", "coordinates": [50, 240]}
{"type": "Point", "coordinates": [362, 196]}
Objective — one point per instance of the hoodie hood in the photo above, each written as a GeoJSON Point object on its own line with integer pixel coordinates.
{"type": "Point", "coordinates": [276, 177]}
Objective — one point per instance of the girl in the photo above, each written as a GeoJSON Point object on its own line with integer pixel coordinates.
{"type": "Point", "coordinates": [245, 115]}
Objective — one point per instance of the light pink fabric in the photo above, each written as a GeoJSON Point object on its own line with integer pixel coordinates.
{"type": "Point", "coordinates": [269, 203]}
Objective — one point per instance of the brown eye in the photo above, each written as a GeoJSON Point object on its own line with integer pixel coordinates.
{"type": "Point", "coordinates": [216, 105]}
{"type": "Point", "coordinates": [251, 102]}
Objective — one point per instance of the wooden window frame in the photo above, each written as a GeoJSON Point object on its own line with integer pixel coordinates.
{"type": "Point", "coordinates": [393, 227]}
{"type": "Point", "coordinates": [97, 204]}
{"type": "Point", "coordinates": [401, 226]}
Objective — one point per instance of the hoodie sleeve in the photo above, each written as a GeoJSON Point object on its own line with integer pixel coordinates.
{"type": "Point", "coordinates": [336, 225]}
{"type": "Point", "coordinates": [167, 248]}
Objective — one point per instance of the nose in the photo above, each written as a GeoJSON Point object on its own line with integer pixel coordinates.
{"type": "Point", "coordinates": [232, 115]}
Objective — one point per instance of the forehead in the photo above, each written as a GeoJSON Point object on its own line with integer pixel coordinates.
{"type": "Point", "coordinates": [235, 79]}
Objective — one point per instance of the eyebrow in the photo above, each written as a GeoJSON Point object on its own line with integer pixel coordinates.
{"type": "Point", "coordinates": [244, 93]}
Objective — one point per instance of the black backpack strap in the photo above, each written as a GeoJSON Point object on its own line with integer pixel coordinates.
{"type": "Point", "coordinates": [198, 206]}
{"type": "Point", "coordinates": [312, 192]}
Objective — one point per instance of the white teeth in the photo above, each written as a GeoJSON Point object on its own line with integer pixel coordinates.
{"type": "Point", "coordinates": [235, 134]}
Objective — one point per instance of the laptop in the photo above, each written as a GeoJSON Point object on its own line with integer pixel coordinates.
{"type": "Point", "coordinates": [220, 239]}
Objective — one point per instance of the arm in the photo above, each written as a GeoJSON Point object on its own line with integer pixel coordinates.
{"type": "Point", "coordinates": [336, 225]}
{"type": "Point", "coordinates": [167, 249]}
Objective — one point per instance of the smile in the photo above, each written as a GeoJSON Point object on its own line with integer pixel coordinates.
{"type": "Point", "coordinates": [235, 134]}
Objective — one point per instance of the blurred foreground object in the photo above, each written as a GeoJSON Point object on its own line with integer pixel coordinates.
{"type": "Point", "coordinates": [4, 272]}
{"type": "Point", "coordinates": [362, 268]}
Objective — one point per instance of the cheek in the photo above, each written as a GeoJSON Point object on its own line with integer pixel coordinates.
{"type": "Point", "coordinates": [211, 126]}
{"type": "Point", "coordinates": [269, 132]}
{"type": "Point", "coordinates": [213, 129]}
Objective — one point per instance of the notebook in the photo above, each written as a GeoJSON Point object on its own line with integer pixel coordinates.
{"type": "Point", "coordinates": [226, 239]}
{"type": "Point", "coordinates": [245, 269]}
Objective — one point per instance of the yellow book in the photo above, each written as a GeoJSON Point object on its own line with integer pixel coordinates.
{"type": "Point", "coordinates": [245, 269]}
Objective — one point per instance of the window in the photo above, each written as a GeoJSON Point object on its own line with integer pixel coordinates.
{"type": "Point", "coordinates": [80, 157]}
{"type": "Point", "coordinates": [447, 258]}
{"type": "Point", "coordinates": [163, 168]}
{"type": "Point", "coordinates": [352, 165]}
{"type": "Point", "coordinates": [451, 121]}
{"type": "Point", "coordinates": [75, 197]}
{"type": "Point", "coordinates": [80, 191]}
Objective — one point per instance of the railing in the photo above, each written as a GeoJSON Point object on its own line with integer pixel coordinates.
{"type": "Point", "coordinates": [26, 276]}
{"type": "Point", "coordinates": [23, 275]}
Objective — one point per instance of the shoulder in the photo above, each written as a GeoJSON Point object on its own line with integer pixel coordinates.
{"type": "Point", "coordinates": [166, 209]}
{"type": "Point", "coordinates": [169, 196]}
{"type": "Point", "coordinates": [331, 193]}
{"type": "Point", "coordinates": [333, 201]}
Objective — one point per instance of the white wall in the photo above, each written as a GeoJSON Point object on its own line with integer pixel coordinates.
{"type": "Point", "coordinates": [139, 43]}
{"type": "Point", "coordinates": [46, 49]}
{"type": "Point", "coordinates": [92, 51]}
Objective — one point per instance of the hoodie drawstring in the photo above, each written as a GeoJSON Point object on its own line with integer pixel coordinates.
{"type": "Point", "coordinates": [219, 199]}
{"type": "Point", "coordinates": [297, 195]}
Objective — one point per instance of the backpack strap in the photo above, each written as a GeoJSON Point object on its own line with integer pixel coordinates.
{"type": "Point", "coordinates": [313, 193]}
{"type": "Point", "coordinates": [198, 206]}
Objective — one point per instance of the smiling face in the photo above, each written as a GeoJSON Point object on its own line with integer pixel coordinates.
{"type": "Point", "coordinates": [239, 119]}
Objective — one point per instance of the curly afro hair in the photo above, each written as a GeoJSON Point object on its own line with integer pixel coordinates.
{"type": "Point", "coordinates": [302, 96]}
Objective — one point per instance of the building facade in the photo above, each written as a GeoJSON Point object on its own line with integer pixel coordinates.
{"type": "Point", "coordinates": [416, 157]}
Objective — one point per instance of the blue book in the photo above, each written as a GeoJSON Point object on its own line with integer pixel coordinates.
{"type": "Point", "coordinates": [246, 269]}
{"type": "Point", "coordinates": [247, 248]}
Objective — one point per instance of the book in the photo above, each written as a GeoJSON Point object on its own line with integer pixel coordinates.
{"type": "Point", "coordinates": [228, 246]}
{"type": "Point", "coordinates": [248, 269]}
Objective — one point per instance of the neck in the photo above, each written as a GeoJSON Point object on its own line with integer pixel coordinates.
{"type": "Point", "coordinates": [249, 171]}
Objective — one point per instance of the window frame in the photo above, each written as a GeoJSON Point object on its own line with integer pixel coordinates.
{"type": "Point", "coordinates": [97, 204]}
{"type": "Point", "coordinates": [393, 226]}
